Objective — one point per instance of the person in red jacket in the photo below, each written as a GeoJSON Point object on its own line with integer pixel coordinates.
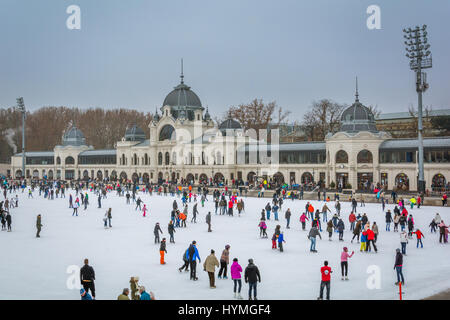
{"type": "Point", "coordinates": [230, 207]}
{"type": "Point", "coordinates": [352, 219]}
{"type": "Point", "coordinates": [419, 235]}
{"type": "Point", "coordinates": [404, 212]}
{"type": "Point", "coordinates": [326, 277]}
{"type": "Point", "coordinates": [370, 239]}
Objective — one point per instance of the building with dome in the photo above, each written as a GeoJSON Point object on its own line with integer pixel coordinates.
{"type": "Point", "coordinates": [185, 144]}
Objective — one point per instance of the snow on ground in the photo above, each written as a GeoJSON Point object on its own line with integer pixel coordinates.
{"type": "Point", "coordinates": [36, 268]}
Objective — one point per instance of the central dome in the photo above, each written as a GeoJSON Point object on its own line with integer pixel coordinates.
{"type": "Point", "coordinates": [358, 117]}
{"type": "Point", "coordinates": [182, 96]}
{"type": "Point", "coordinates": [182, 100]}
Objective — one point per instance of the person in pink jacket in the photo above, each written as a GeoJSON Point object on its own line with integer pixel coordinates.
{"type": "Point", "coordinates": [303, 219]}
{"type": "Point", "coordinates": [236, 270]}
{"type": "Point", "coordinates": [344, 262]}
{"type": "Point", "coordinates": [262, 229]}
{"type": "Point", "coordinates": [145, 210]}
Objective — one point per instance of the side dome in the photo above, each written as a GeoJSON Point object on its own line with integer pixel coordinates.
{"type": "Point", "coordinates": [135, 134]}
{"type": "Point", "coordinates": [73, 137]}
{"type": "Point", "coordinates": [229, 124]}
{"type": "Point", "coordinates": [357, 118]}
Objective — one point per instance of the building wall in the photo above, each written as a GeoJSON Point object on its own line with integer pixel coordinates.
{"type": "Point", "coordinates": [227, 147]}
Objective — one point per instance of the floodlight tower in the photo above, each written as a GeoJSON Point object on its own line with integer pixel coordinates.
{"type": "Point", "coordinates": [21, 108]}
{"type": "Point", "coordinates": [420, 58]}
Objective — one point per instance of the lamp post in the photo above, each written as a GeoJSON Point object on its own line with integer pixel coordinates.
{"type": "Point", "coordinates": [420, 58]}
{"type": "Point", "coordinates": [21, 108]}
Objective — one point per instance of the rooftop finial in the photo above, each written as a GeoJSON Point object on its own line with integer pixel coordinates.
{"type": "Point", "coordinates": [357, 94]}
{"type": "Point", "coordinates": [182, 75]}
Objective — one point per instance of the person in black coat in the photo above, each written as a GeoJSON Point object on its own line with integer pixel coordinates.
{"type": "Point", "coordinates": [156, 232]}
{"type": "Point", "coordinates": [8, 221]}
{"type": "Point", "coordinates": [162, 250]}
{"type": "Point", "coordinates": [87, 277]}
{"type": "Point", "coordinates": [388, 220]}
{"type": "Point", "coordinates": [252, 276]}
{"type": "Point", "coordinates": [175, 205]}
{"type": "Point", "coordinates": [398, 267]}
{"type": "Point", "coordinates": [340, 228]}
{"type": "Point", "coordinates": [171, 230]}
{"type": "Point", "coordinates": [185, 266]}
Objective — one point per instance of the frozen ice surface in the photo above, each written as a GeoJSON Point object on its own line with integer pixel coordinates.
{"type": "Point", "coordinates": [32, 268]}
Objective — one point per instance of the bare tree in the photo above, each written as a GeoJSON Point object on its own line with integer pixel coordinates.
{"type": "Point", "coordinates": [426, 117]}
{"type": "Point", "coordinates": [324, 117]}
{"type": "Point", "coordinates": [258, 115]}
{"type": "Point", "coordinates": [102, 128]}
{"type": "Point", "coordinates": [375, 111]}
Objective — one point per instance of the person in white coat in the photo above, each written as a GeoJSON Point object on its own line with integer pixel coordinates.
{"type": "Point", "coordinates": [403, 241]}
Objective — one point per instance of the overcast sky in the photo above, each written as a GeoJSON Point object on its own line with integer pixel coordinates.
{"type": "Point", "coordinates": [127, 53]}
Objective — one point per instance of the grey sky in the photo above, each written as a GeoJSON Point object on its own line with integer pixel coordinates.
{"type": "Point", "coordinates": [127, 53]}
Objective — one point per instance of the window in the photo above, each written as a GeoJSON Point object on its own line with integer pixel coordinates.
{"type": "Point", "coordinates": [70, 160]}
{"type": "Point", "coordinates": [364, 156]}
{"type": "Point", "coordinates": [341, 157]}
{"type": "Point", "coordinates": [160, 158]}
{"type": "Point", "coordinates": [167, 158]}
{"type": "Point", "coordinates": [167, 133]}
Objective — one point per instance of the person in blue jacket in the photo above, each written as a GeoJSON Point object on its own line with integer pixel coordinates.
{"type": "Point", "coordinates": [145, 295]}
{"type": "Point", "coordinates": [85, 295]}
{"type": "Point", "coordinates": [280, 241]}
{"type": "Point", "coordinates": [275, 212]}
{"type": "Point", "coordinates": [192, 256]}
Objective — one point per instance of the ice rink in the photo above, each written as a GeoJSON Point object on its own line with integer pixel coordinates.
{"type": "Point", "coordinates": [36, 268]}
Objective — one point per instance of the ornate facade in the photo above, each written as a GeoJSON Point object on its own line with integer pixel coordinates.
{"type": "Point", "coordinates": [186, 144]}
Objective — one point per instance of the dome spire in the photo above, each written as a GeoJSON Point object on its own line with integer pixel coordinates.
{"type": "Point", "coordinates": [182, 75]}
{"type": "Point", "coordinates": [357, 94]}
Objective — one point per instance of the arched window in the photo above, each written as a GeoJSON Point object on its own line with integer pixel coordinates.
{"type": "Point", "coordinates": [135, 159]}
{"type": "Point", "coordinates": [174, 157]}
{"type": "Point", "coordinates": [69, 160]}
{"type": "Point", "coordinates": [146, 159]}
{"type": "Point", "coordinates": [160, 159]}
{"type": "Point", "coordinates": [364, 156]}
{"type": "Point", "coordinates": [251, 176]}
{"type": "Point", "coordinates": [278, 177]}
{"type": "Point", "coordinates": [218, 158]}
{"type": "Point", "coordinates": [58, 160]}
{"type": "Point", "coordinates": [307, 178]}
{"type": "Point", "coordinates": [341, 157]}
{"type": "Point", "coordinates": [167, 158]}
{"type": "Point", "coordinates": [438, 183]}
{"type": "Point", "coordinates": [402, 182]}
{"type": "Point", "coordinates": [167, 133]}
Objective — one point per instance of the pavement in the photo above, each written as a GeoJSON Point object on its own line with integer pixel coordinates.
{"type": "Point", "coordinates": [444, 295]}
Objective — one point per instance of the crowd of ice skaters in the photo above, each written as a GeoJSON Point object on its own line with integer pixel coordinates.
{"type": "Point", "coordinates": [227, 202]}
